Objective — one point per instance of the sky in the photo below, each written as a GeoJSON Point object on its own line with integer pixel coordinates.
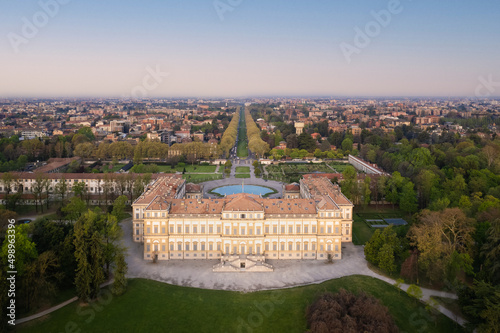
{"type": "Point", "coordinates": [240, 48]}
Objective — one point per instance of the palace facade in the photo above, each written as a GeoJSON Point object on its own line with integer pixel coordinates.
{"type": "Point", "coordinates": [171, 226]}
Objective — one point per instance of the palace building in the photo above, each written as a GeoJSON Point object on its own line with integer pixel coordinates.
{"type": "Point", "coordinates": [172, 226]}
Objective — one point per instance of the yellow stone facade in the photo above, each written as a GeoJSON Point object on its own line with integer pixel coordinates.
{"type": "Point", "coordinates": [312, 227]}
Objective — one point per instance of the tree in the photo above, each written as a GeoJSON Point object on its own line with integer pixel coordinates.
{"type": "Point", "coordinates": [38, 188]}
{"type": "Point", "coordinates": [74, 209]}
{"type": "Point", "coordinates": [481, 306]}
{"type": "Point", "coordinates": [84, 150]}
{"type": "Point", "coordinates": [79, 189]}
{"type": "Point", "coordinates": [383, 249]}
{"type": "Point", "coordinates": [120, 283]}
{"type": "Point", "coordinates": [365, 191]}
{"type": "Point", "coordinates": [292, 141]}
{"type": "Point", "coordinates": [25, 249]}
{"type": "Point", "coordinates": [408, 199]}
{"type": "Point", "coordinates": [414, 291]}
{"type": "Point", "coordinates": [490, 251]}
{"type": "Point", "coordinates": [119, 207]}
{"type": "Point", "coordinates": [437, 236]}
{"type": "Point", "coordinates": [89, 254]}
{"type": "Point", "coordinates": [347, 145]}
{"type": "Point", "coordinates": [62, 189]}
{"type": "Point", "coordinates": [346, 312]}
{"type": "Point", "coordinates": [307, 142]}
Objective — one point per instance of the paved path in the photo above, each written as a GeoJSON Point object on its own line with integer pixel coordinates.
{"type": "Point", "coordinates": [54, 308]}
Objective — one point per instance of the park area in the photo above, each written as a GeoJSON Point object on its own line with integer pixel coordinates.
{"type": "Point", "coordinates": [366, 221]}
{"type": "Point", "coordinates": [292, 172]}
{"type": "Point", "coordinates": [172, 308]}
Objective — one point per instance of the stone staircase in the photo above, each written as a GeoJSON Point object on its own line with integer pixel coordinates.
{"type": "Point", "coordinates": [243, 263]}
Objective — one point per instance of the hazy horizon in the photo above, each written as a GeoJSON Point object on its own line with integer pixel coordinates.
{"type": "Point", "coordinates": [245, 49]}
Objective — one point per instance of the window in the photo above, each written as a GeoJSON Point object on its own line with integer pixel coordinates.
{"type": "Point", "coordinates": [163, 230]}
{"type": "Point", "coordinates": [337, 214]}
{"type": "Point", "coordinates": [219, 229]}
{"type": "Point", "coordinates": [211, 229]}
{"type": "Point", "coordinates": [322, 230]}
{"type": "Point", "coordinates": [235, 232]}
{"type": "Point", "coordinates": [250, 231]}
{"type": "Point", "coordinates": [147, 214]}
{"type": "Point", "coordinates": [314, 247]}
{"type": "Point", "coordinates": [179, 247]}
{"type": "Point", "coordinates": [283, 230]}
{"type": "Point", "coordinates": [242, 231]}
{"type": "Point", "coordinates": [187, 229]}
{"type": "Point", "coordinates": [187, 247]}
{"type": "Point", "coordinates": [136, 215]}
{"type": "Point", "coordinates": [298, 229]}
{"type": "Point", "coordinates": [282, 246]}
{"type": "Point", "coordinates": [275, 230]}
{"type": "Point", "coordinates": [163, 248]}
{"type": "Point", "coordinates": [305, 247]}
{"type": "Point", "coordinates": [163, 214]}
{"type": "Point", "coordinates": [336, 247]}
{"type": "Point", "coordinates": [148, 230]}
{"type": "Point", "coordinates": [202, 229]}
{"type": "Point", "coordinates": [275, 247]}
{"type": "Point", "coordinates": [314, 229]}
{"type": "Point", "coordinates": [290, 247]}
{"type": "Point", "coordinates": [218, 246]}
{"type": "Point", "coordinates": [171, 247]}
{"type": "Point", "coordinates": [306, 229]}
{"type": "Point", "coordinates": [336, 230]}
{"type": "Point", "coordinates": [228, 232]}
{"type": "Point", "coordinates": [348, 216]}
{"type": "Point", "coordinates": [148, 248]}
{"type": "Point", "coordinates": [266, 229]}
{"type": "Point", "coordinates": [195, 229]}
{"type": "Point", "coordinates": [172, 229]}
{"type": "Point", "coordinates": [347, 231]}
{"type": "Point", "coordinates": [210, 247]}
{"type": "Point", "coordinates": [242, 216]}
{"type": "Point", "coordinates": [329, 247]}
{"type": "Point", "coordinates": [290, 229]}
{"type": "Point", "coordinates": [321, 247]}
{"type": "Point", "coordinates": [195, 246]}
{"type": "Point", "coordinates": [329, 230]}
{"type": "Point", "coordinates": [235, 216]}
{"type": "Point", "coordinates": [298, 247]}
{"type": "Point", "coordinates": [203, 246]}
{"type": "Point", "coordinates": [227, 216]}
{"type": "Point", "coordinates": [179, 229]}
{"type": "Point", "coordinates": [137, 232]}
{"type": "Point", "coordinates": [258, 231]}
{"type": "Point", "coordinates": [267, 246]}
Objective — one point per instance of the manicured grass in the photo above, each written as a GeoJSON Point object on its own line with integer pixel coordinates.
{"type": "Point", "coordinates": [166, 169]}
{"type": "Point", "coordinates": [242, 175]}
{"type": "Point", "coordinates": [199, 178]}
{"type": "Point", "coordinates": [242, 149]}
{"type": "Point", "coordinates": [340, 167]}
{"type": "Point", "coordinates": [150, 306]}
{"type": "Point", "coordinates": [241, 169]}
{"type": "Point", "coordinates": [197, 168]}
{"type": "Point", "coordinates": [115, 167]}
{"type": "Point", "coordinates": [361, 231]}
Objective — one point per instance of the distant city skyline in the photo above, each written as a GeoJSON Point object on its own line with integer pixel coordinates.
{"type": "Point", "coordinates": [221, 48]}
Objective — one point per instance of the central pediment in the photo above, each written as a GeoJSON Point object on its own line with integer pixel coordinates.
{"type": "Point", "coordinates": [243, 202]}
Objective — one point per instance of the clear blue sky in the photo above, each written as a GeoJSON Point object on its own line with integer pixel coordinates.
{"type": "Point", "coordinates": [261, 47]}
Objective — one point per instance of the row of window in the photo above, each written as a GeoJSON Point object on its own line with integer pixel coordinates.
{"type": "Point", "coordinates": [236, 216]}
{"type": "Point", "coordinates": [242, 230]}
{"type": "Point", "coordinates": [283, 247]}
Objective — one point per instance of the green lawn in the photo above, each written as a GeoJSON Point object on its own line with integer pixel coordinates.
{"type": "Point", "coordinates": [114, 168]}
{"type": "Point", "coordinates": [242, 175]}
{"type": "Point", "coordinates": [199, 178]}
{"type": "Point", "coordinates": [197, 168]}
{"type": "Point", "coordinates": [150, 306]}
{"type": "Point", "coordinates": [361, 231]}
{"type": "Point", "coordinates": [241, 169]}
{"type": "Point", "coordinates": [166, 169]}
{"type": "Point", "coordinates": [242, 150]}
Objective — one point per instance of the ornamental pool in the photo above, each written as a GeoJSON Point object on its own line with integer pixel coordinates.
{"type": "Point", "coordinates": [234, 189]}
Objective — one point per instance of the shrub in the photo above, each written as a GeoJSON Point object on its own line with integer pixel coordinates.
{"type": "Point", "coordinates": [347, 312]}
